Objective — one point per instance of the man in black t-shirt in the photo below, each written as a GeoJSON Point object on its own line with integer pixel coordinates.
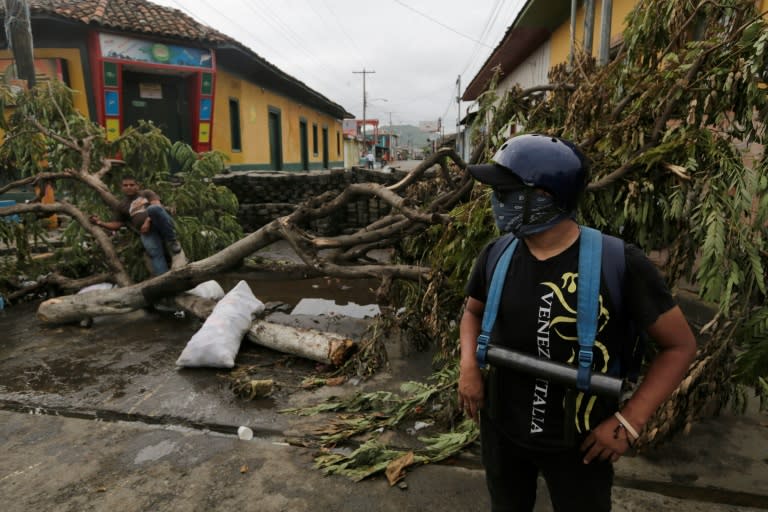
{"type": "Point", "coordinates": [530, 425]}
{"type": "Point", "coordinates": [142, 210]}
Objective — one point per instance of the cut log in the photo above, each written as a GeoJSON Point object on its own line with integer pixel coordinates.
{"type": "Point", "coordinates": [323, 347]}
{"type": "Point", "coordinates": [78, 307]}
{"type": "Point", "coordinates": [74, 308]}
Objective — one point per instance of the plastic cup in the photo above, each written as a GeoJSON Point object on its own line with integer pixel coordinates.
{"type": "Point", "coordinates": [245, 433]}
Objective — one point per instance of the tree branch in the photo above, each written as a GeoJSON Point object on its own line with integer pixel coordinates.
{"type": "Point", "coordinates": [105, 243]}
{"type": "Point", "coordinates": [33, 180]}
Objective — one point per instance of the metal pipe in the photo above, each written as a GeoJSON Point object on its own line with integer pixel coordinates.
{"type": "Point", "coordinates": [589, 25]}
{"type": "Point", "coordinates": [600, 384]}
{"type": "Point", "coordinates": [606, 13]}
{"type": "Point", "coordinates": [573, 35]}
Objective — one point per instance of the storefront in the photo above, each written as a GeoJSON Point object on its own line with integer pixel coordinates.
{"type": "Point", "coordinates": [168, 84]}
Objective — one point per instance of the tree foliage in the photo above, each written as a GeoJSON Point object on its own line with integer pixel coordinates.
{"type": "Point", "coordinates": [670, 125]}
{"type": "Point", "coordinates": [674, 126]}
{"type": "Point", "coordinates": [46, 139]}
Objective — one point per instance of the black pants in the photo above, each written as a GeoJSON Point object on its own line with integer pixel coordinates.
{"type": "Point", "coordinates": [511, 473]}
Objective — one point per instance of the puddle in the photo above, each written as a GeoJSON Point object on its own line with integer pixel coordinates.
{"type": "Point", "coordinates": [155, 452]}
{"type": "Point", "coordinates": [321, 296]}
{"type": "Point", "coordinates": [290, 291]}
{"type": "Point", "coordinates": [325, 307]}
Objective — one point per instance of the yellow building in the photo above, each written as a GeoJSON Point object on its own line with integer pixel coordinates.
{"type": "Point", "coordinates": [544, 34]}
{"type": "Point", "coordinates": [540, 37]}
{"type": "Point", "coordinates": [132, 60]}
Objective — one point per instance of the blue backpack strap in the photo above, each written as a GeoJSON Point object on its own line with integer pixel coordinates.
{"type": "Point", "coordinates": [587, 301]}
{"type": "Point", "coordinates": [494, 253]}
{"type": "Point", "coordinates": [493, 299]}
{"type": "Point", "coordinates": [611, 265]}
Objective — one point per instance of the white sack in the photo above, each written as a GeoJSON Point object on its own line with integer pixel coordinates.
{"type": "Point", "coordinates": [208, 290]}
{"type": "Point", "coordinates": [96, 287]}
{"type": "Point", "coordinates": [218, 340]}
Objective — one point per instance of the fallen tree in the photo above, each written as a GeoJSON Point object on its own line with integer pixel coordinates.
{"type": "Point", "coordinates": [37, 133]}
{"type": "Point", "coordinates": [385, 232]}
{"type": "Point", "coordinates": [664, 123]}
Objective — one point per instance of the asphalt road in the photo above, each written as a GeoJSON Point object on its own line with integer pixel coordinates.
{"type": "Point", "coordinates": [100, 419]}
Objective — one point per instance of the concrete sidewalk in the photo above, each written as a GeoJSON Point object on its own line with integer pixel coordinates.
{"type": "Point", "coordinates": [101, 420]}
{"type": "Point", "coordinates": [68, 464]}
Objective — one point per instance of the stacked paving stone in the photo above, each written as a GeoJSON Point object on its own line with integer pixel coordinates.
{"type": "Point", "coordinates": [265, 196]}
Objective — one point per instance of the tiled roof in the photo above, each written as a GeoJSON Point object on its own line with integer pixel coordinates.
{"type": "Point", "coordinates": [144, 17]}
{"type": "Point", "coordinates": [138, 16]}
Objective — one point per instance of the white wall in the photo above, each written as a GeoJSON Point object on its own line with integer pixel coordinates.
{"type": "Point", "coordinates": [352, 150]}
{"type": "Point", "coordinates": [531, 72]}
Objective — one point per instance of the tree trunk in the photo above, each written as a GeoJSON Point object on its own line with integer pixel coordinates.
{"type": "Point", "coordinates": [324, 347]}
{"type": "Point", "coordinates": [74, 308]}
{"type": "Point", "coordinates": [182, 277]}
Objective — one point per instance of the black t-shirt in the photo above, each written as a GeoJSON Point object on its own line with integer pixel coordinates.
{"type": "Point", "coordinates": [537, 315]}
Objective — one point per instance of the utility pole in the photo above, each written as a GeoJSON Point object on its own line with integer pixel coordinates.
{"type": "Point", "coordinates": [18, 32]}
{"type": "Point", "coordinates": [364, 72]}
{"type": "Point", "coordinates": [458, 113]}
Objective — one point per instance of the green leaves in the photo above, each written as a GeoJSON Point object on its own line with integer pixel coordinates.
{"type": "Point", "coordinates": [44, 133]}
{"type": "Point", "coordinates": [681, 111]}
{"type": "Point", "coordinates": [368, 414]}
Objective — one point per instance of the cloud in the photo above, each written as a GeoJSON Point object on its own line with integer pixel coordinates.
{"type": "Point", "coordinates": [416, 57]}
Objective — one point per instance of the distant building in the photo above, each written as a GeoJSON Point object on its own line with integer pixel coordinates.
{"type": "Point", "coordinates": [129, 60]}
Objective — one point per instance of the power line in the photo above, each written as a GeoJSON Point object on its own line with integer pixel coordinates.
{"type": "Point", "coordinates": [492, 16]}
{"type": "Point", "coordinates": [433, 20]}
{"type": "Point", "coordinates": [266, 45]}
{"type": "Point", "coordinates": [342, 30]}
{"type": "Point", "coordinates": [191, 15]}
{"type": "Point", "coordinates": [282, 28]}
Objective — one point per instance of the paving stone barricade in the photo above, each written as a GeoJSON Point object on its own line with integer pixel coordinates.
{"type": "Point", "coordinates": [267, 195]}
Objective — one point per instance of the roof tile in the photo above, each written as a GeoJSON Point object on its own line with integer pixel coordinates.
{"type": "Point", "coordinates": [144, 17]}
{"type": "Point", "coordinates": [133, 16]}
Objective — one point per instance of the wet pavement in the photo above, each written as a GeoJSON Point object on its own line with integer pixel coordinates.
{"type": "Point", "coordinates": [101, 419]}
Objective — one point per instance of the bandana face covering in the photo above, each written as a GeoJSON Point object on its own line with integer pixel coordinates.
{"type": "Point", "coordinates": [525, 211]}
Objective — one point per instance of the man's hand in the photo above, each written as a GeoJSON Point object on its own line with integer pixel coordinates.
{"type": "Point", "coordinates": [608, 441]}
{"type": "Point", "coordinates": [94, 219]}
{"type": "Point", "coordinates": [471, 392]}
{"type": "Point", "coordinates": [146, 226]}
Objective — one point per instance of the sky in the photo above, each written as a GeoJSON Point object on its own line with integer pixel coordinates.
{"type": "Point", "coordinates": [416, 50]}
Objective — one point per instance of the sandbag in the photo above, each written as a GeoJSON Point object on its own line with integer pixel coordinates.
{"type": "Point", "coordinates": [217, 342]}
{"type": "Point", "coordinates": [208, 290]}
{"type": "Point", "coordinates": [98, 287]}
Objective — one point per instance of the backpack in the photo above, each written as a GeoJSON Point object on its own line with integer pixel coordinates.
{"type": "Point", "coordinates": [611, 266]}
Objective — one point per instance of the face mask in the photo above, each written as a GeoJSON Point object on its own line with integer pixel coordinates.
{"type": "Point", "coordinates": [525, 212]}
